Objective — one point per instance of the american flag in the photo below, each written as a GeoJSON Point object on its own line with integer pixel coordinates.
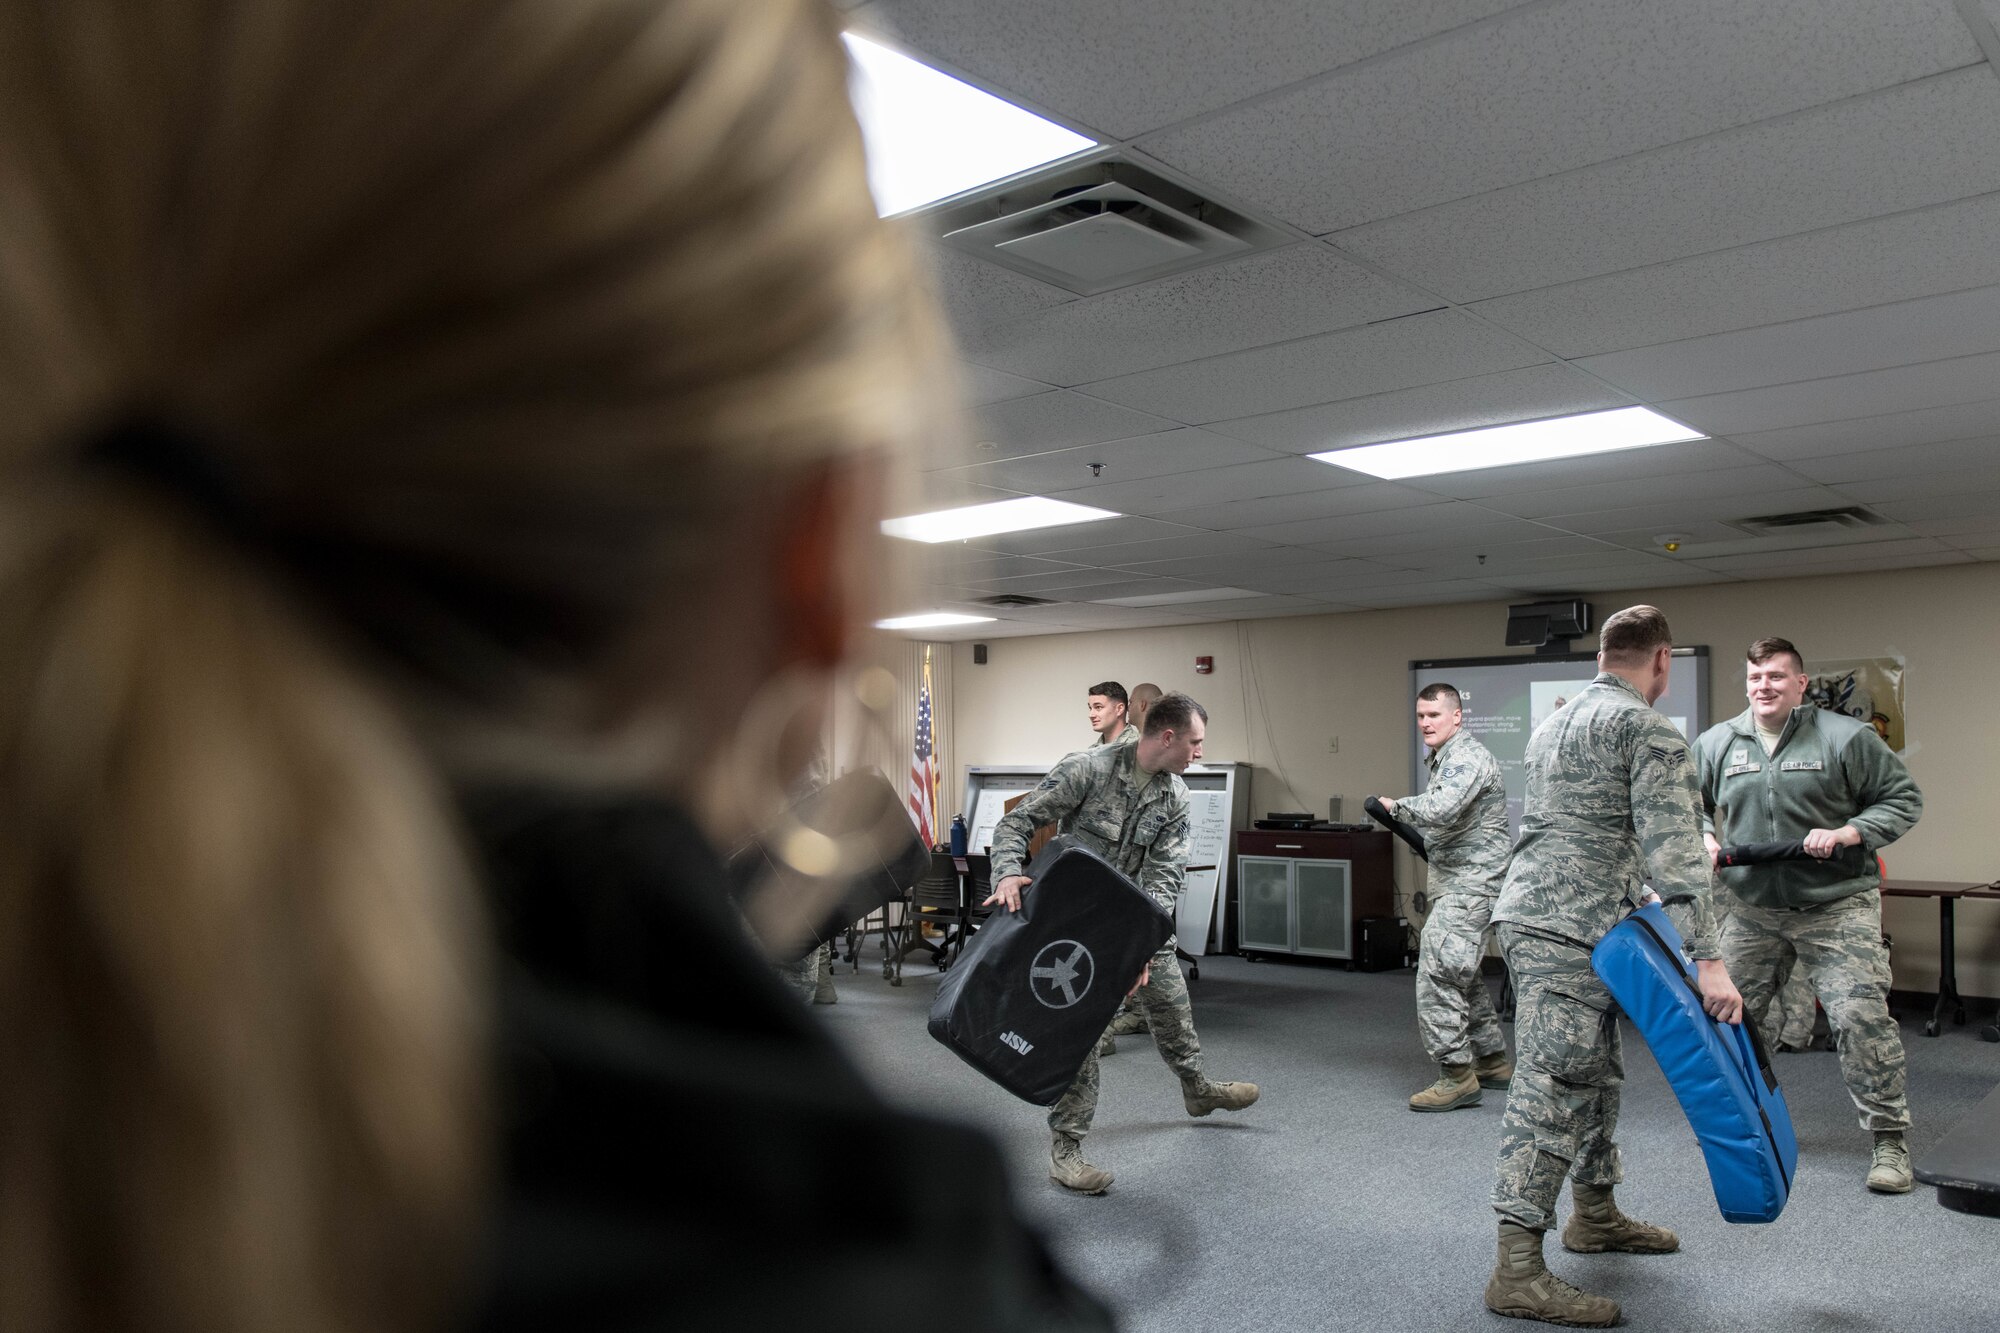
{"type": "Point", "coordinates": [923, 764]}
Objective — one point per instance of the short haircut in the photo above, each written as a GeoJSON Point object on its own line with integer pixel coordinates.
{"type": "Point", "coordinates": [1110, 689]}
{"type": "Point", "coordinates": [1631, 636]}
{"type": "Point", "coordinates": [1145, 696]}
{"type": "Point", "coordinates": [1437, 690]}
{"type": "Point", "coordinates": [1173, 712]}
{"type": "Point", "coordinates": [1765, 649]}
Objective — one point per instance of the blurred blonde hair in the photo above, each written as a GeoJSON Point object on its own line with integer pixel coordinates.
{"type": "Point", "coordinates": [494, 314]}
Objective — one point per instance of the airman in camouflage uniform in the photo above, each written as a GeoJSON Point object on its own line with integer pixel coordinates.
{"type": "Point", "coordinates": [1462, 814]}
{"type": "Point", "coordinates": [1109, 709]}
{"type": "Point", "coordinates": [1128, 804]}
{"type": "Point", "coordinates": [1610, 805]}
{"type": "Point", "coordinates": [1783, 770]}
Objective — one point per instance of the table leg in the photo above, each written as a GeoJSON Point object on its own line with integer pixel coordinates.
{"type": "Point", "coordinates": [1948, 997]}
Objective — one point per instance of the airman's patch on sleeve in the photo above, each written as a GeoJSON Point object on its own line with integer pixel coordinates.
{"type": "Point", "coordinates": [1668, 754]}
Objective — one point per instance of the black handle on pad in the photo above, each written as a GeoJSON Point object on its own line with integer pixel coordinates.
{"type": "Point", "coordinates": [1380, 814]}
{"type": "Point", "coordinates": [1766, 853]}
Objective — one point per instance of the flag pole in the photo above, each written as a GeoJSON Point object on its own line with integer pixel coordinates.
{"type": "Point", "coordinates": [937, 811]}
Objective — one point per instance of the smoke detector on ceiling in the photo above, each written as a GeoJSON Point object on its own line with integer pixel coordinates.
{"type": "Point", "coordinates": [1102, 223]}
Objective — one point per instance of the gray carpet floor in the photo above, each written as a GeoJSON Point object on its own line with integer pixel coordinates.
{"type": "Point", "coordinates": [1329, 1205]}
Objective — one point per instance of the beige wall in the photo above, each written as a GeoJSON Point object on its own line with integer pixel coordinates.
{"type": "Point", "coordinates": [1285, 690]}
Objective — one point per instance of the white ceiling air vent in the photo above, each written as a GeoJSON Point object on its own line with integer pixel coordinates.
{"type": "Point", "coordinates": [1015, 599]}
{"type": "Point", "coordinates": [1103, 223]}
{"type": "Point", "coordinates": [1809, 522]}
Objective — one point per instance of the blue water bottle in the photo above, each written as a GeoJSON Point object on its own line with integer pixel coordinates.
{"type": "Point", "coordinates": [958, 835]}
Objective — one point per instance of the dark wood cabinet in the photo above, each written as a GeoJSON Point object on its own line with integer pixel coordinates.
{"type": "Point", "coordinates": [1303, 892]}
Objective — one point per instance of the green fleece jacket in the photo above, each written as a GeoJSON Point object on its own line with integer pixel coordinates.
{"type": "Point", "coordinates": [1827, 770]}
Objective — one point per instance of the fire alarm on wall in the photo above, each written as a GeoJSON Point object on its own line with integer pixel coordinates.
{"type": "Point", "coordinates": [1204, 666]}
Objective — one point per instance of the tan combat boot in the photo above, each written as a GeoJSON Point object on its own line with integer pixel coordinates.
{"type": "Point", "coordinates": [823, 991]}
{"type": "Point", "coordinates": [1889, 1169]}
{"type": "Point", "coordinates": [1456, 1087]}
{"type": "Point", "coordinates": [1210, 1096]}
{"type": "Point", "coordinates": [1068, 1169]}
{"type": "Point", "coordinates": [1130, 1022]}
{"type": "Point", "coordinates": [1522, 1287]}
{"type": "Point", "coordinates": [1596, 1226]}
{"type": "Point", "coordinates": [1493, 1071]}
{"type": "Point", "coordinates": [1106, 1046]}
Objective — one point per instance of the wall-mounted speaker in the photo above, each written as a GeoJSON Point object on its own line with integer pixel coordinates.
{"type": "Point", "coordinates": [979, 654]}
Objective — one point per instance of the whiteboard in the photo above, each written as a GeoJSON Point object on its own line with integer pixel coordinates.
{"type": "Point", "coordinates": [1208, 826]}
{"type": "Point", "coordinates": [1195, 910]}
{"type": "Point", "coordinates": [985, 815]}
{"type": "Point", "coordinates": [1218, 799]}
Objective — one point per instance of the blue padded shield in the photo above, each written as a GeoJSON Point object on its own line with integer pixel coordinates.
{"type": "Point", "coordinates": [1719, 1071]}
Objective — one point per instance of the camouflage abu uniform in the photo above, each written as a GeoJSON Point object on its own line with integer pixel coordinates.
{"type": "Point", "coordinates": [1825, 771]}
{"type": "Point", "coordinates": [1125, 737]}
{"type": "Point", "coordinates": [1462, 814]}
{"type": "Point", "coordinates": [1611, 802]}
{"type": "Point", "coordinates": [1138, 821]}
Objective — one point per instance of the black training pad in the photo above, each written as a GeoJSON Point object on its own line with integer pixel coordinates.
{"type": "Point", "coordinates": [1764, 853]}
{"type": "Point", "coordinates": [1049, 977]}
{"type": "Point", "coordinates": [1380, 814]}
{"type": "Point", "coordinates": [1965, 1164]}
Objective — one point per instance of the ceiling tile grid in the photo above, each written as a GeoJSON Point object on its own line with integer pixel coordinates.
{"type": "Point", "coordinates": [1146, 456]}
{"type": "Point", "coordinates": [1291, 293]}
{"type": "Point", "coordinates": [974, 293]}
{"type": "Point", "coordinates": [1923, 252]}
{"type": "Point", "coordinates": [982, 385]}
{"type": "Point", "coordinates": [1902, 148]}
{"type": "Point", "coordinates": [1769, 220]}
{"type": "Point", "coordinates": [1967, 458]}
{"type": "Point", "coordinates": [1399, 354]}
{"type": "Point", "coordinates": [1549, 89]}
{"type": "Point", "coordinates": [1048, 422]}
{"type": "Point", "coordinates": [1124, 69]}
{"type": "Point", "coordinates": [1371, 498]}
{"type": "Point", "coordinates": [1964, 379]}
{"type": "Point", "coordinates": [1548, 390]}
{"type": "Point", "coordinates": [1888, 430]}
{"type": "Point", "coordinates": [1931, 328]}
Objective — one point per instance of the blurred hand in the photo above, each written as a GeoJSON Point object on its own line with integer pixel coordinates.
{"type": "Point", "coordinates": [1714, 848]}
{"type": "Point", "coordinates": [1824, 842]}
{"type": "Point", "coordinates": [1008, 892]}
{"type": "Point", "coordinates": [1145, 975]}
{"type": "Point", "coordinates": [1388, 803]}
{"type": "Point", "coordinates": [1719, 995]}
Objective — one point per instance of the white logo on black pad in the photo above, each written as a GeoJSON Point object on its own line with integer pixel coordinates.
{"type": "Point", "coordinates": [1061, 974]}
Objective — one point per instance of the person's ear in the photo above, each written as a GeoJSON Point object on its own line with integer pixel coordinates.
{"type": "Point", "coordinates": [825, 539]}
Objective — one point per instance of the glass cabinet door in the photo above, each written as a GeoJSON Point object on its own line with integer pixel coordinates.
{"type": "Point", "coordinates": [1325, 921]}
{"type": "Point", "coordinates": [1264, 901]}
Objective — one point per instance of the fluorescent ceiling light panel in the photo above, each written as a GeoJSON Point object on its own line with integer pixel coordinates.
{"type": "Point", "coordinates": [931, 620]}
{"type": "Point", "coordinates": [987, 520]}
{"type": "Point", "coordinates": [931, 136]}
{"type": "Point", "coordinates": [1521, 442]}
{"type": "Point", "coordinates": [1185, 595]}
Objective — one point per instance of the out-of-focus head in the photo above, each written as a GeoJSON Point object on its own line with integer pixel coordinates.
{"type": "Point", "coordinates": [390, 393]}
